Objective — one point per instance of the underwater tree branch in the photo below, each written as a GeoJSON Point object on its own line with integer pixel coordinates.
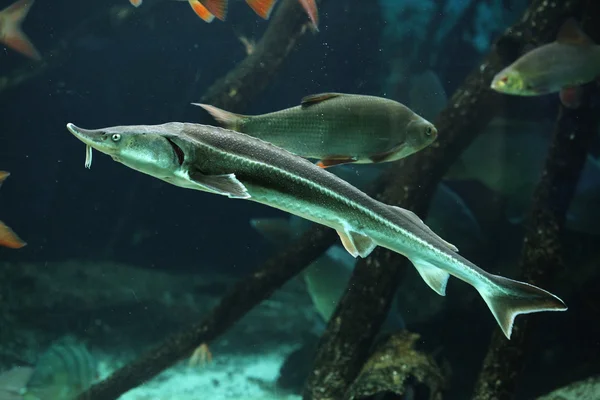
{"type": "Point", "coordinates": [541, 255]}
{"type": "Point", "coordinates": [250, 77]}
{"type": "Point", "coordinates": [410, 184]}
{"type": "Point", "coordinates": [243, 297]}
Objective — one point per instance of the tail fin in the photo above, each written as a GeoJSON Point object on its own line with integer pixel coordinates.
{"type": "Point", "coordinates": [11, 33]}
{"type": "Point", "coordinates": [262, 8]}
{"type": "Point", "coordinates": [227, 119]}
{"type": "Point", "coordinates": [310, 6]}
{"type": "Point", "coordinates": [507, 299]}
{"type": "Point", "coordinates": [201, 11]}
{"type": "Point", "coordinates": [136, 3]}
{"type": "Point", "coordinates": [218, 8]}
{"type": "Point", "coordinates": [10, 239]}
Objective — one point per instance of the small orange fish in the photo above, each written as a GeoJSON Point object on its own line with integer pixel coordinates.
{"type": "Point", "coordinates": [10, 29]}
{"type": "Point", "coordinates": [208, 9]}
{"type": "Point", "coordinates": [7, 237]}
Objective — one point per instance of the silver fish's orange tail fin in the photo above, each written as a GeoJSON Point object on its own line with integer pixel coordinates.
{"type": "Point", "coordinates": [201, 11]}
{"type": "Point", "coordinates": [10, 31]}
{"type": "Point", "coordinates": [262, 8]}
{"type": "Point", "coordinates": [507, 298]}
{"type": "Point", "coordinates": [227, 119]}
{"type": "Point", "coordinates": [10, 239]}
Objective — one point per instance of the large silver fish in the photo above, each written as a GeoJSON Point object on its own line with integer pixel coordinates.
{"type": "Point", "coordinates": [236, 165]}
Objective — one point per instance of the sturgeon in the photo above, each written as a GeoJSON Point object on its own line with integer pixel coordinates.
{"type": "Point", "coordinates": [238, 166]}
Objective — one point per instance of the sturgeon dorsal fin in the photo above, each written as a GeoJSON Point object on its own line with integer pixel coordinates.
{"type": "Point", "coordinates": [317, 98]}
{"type": "Point", "coordinates": [571, 33]}
{"type": "Point", "coordinates": [415, 218]}
{"type": "Point", "coordinates": [227, 184]}
{"type": "Point", "coordinates": [357, 244]}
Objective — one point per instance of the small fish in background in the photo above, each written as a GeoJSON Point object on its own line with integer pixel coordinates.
{"type": "Point", "coordinates": [508, 158]}
{"type": "Point", "coordinates": [562, 66]}
{"type": "Point", "coordinates": [200, 10]}
{"type": "Point", "coordinates": [7, 237]}
{"type": "Point", "coordinates": [337, 128]}
{"type": "Point", "coordinates": [62, 372]}
{"type": "Point", "coordinates": [11, 34]}
{"type": "Point", "coordinates": [262, 8]}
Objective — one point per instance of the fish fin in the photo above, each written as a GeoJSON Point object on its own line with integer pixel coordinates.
{"type": "Point", "coordinates": [218, 8]}
{"type": "Point", "coordinates": [507, 298]}
{"type": "Point", "coordinates": [310, 6]}
{"type": "Point", "coordinates": [317, 98]}
{"type": "Point", "coordinates": [276, 230]}
{"type": "Point", "coordinates": [383, 157]}
{"type": "Point", "coordinates": [262, 7]}
{"type": "Point", "coordinates": [227, 119]}
{"type": "Point", "coordinates": [201, 11]}
{"type": "Point", "coordinates": [418, 221]}
{"type": "Point", "coordinates": [571, 33]}
{"type": "Point", "coordinates": [10, 239]}
{"type": "Point", "coordinates": [336, 160]}
{"type": "Point", "coordinates": [434, 277]}
{"type": "Point", "coordinates": [13, 36]}
{"type": "Point", "coordinates": [136, 3]}
{"type": "Point", "coordinates": [226, 184]}
{"type": "Point", "coordinates": [570, 97]}
{"type": "Point", "coordinates": [357, 244]}
{"type": "Point", "coordinates": [13, 381]}
{"type": "Point", "coordinates": [3, 176]}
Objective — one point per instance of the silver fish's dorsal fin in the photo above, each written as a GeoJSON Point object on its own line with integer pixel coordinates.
{"type": "Point", "coordinates": [356, 244]}
{"type": "Point", "coordinates": [227, 185]}
{"type": "Point", "coordinates": [415, 218]}
{"type": "Point", "coordinates": [436, 278]}
{"type": "Point", "coordinates": [571, 33]}
{"type": "Point", "coordinates": [317, 98]}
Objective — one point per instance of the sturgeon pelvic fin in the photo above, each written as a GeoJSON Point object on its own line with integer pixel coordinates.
{"type": "Point", "coordinates": [507, 298]}
{"type": "Point", "coordinates": [357, 244]}
{"type": "Point", "coordinates": [227, 185]}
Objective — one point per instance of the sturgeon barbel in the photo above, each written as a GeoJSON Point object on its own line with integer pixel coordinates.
{"type": "Point", "coordinates": [236, 165]}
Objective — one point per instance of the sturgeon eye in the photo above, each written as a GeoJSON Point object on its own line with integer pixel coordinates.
{"type": "Point", "coordinates": [115, 137]}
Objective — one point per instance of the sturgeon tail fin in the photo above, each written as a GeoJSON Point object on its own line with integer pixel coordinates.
{"type": "Point", "coordinates": [227, 119]}
{"type": "Point", "coordinates": [507, 298]}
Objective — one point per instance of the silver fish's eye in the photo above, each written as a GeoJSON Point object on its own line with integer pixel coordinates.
{"type": "Point", "coordinates": [428, 131]}
{"type": "Point", "coordinates": [116, 137]}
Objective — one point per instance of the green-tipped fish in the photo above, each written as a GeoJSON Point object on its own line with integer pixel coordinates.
{"type": "Point", "coordinates": [239, 166]}
{"type": "Point", "coordinates": [572, 60]}
{"type": "Point", "coordinates": [337, 128]}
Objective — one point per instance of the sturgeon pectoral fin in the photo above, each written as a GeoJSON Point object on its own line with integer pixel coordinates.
{"type": "Point", "coordinates": [436, 278]}
{"type": "Point", "coordinates": [357, 244]}
{"type": "Point", "coordinates": [317, 98]}
{"type": "Point", "coordinates": [335, 160]}
{"type": "Point", "coordinates": [227, 185]}
{"type": "Point", "coordinates": [415, 219]}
